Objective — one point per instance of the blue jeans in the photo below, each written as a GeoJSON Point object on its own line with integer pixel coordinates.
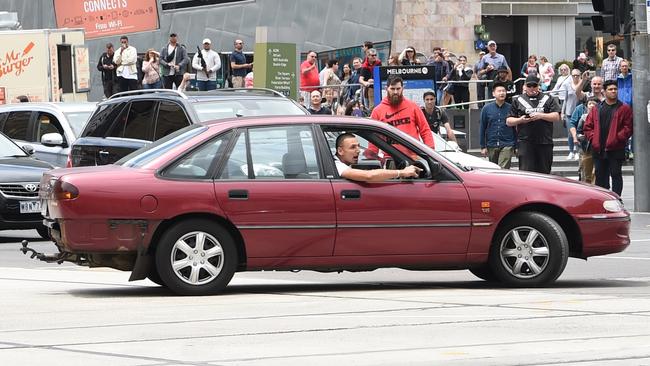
{"type": "Point", "coordinates": [567, 123]}
{"type": "Point", "coordinates": [439, 95]}
{"type": "Point", "coordinates": [204, 85]}
{"type": "Point", "coordinates": [156, 85]}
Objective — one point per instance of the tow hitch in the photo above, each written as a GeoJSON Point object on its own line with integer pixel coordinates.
{"type": "Point", "coordinates": [58, 258]}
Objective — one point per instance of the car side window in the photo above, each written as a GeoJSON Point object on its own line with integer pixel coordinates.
{"type": "Point", "coordinates": [101, 122]}
{"type": "Point", "coordinates": [171, 117]}
{"type": "Point", "coordinates": [16, 125]}
{"type": "Point", "coordinates": [283, 152]}
{"type": "Point", "coordinates": [237, 164]}
{"type": "Point", "coordinates": [199, 163]}
{"type": "Point", "coordinates": [47, 123]}
{"type": "Point", "coordinates": [140, 122]}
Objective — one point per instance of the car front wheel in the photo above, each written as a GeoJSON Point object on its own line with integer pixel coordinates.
{"type": "Point", "coordinates": [196, 257]}
{"type": "Point", "coordinates": [530, 249]}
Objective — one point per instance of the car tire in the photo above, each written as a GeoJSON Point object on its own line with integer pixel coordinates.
{"type": "Point", "coordinates": [485, 273]}
{"type": "Point", "coordinates": [44, 232]}
{"type": "Point", "coordinates": [196, 257]}
{"type": "Point", "coordinates": [154, 277]}
{"type": "Point", "coordinates": [530, 249]}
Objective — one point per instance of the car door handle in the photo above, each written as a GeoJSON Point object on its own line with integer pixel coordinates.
{"type": "Point", "coordinates": [238, 194]}
{"type": "Point", "coordinates": [103, 152]}
{"type": "Point", "coordinates": [351, 194]}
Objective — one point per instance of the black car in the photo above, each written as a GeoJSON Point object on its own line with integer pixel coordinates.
{"type": "Point", "coordinates": [20, 176]}
{"type": "Point", "coordinates": [130, 120]}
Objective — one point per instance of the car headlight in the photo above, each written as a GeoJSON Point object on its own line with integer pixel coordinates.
{"type": "Point", "coordinates": [613, 206]}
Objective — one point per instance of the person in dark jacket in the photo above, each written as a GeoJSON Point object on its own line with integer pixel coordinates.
{"type": "Point", "coordinates": [497, 140]}
{"type": "Point", "coordinates": [608, 128]}
{"type": "Point", "coordinates": [107, 67]}
{"type": "Point", "coordinates": [534, 114]}
{"type": "Point", "coordinates": [173, 61]}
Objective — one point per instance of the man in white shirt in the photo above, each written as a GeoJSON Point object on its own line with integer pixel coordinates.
{"type": "Point", "coordinates": [347, 153]}
{"type": "Point", "coordinates": [206, 67]}
{"type": "Point", "coordinates": [125, 58]}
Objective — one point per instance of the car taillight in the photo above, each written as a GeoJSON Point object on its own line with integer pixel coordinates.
{"type": "Point", "coordinates": [65, 191]}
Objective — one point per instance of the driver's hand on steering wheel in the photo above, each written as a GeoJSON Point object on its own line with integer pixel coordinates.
{"type": "Point", "coordinates": [410, 171]}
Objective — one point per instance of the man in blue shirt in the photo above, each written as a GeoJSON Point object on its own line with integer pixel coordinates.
{"type": "Point", "coordinates": [496, 138]}
{"type": "Point", "coordinates": [625, 94]}
{"type": "Point", "coordinates": [238, 65]}
{"type": "Point", "coordinates": [489, 65]}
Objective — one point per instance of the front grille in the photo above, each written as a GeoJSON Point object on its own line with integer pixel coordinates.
{"type": "Point", "coordinates": [27, 190]}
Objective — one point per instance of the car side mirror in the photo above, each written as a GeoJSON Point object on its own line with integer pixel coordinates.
{"type": "Point", "coordinates": [29, 149]}
{"type": "Point", "coordinates": [436, 168]}
{"type": "Point", "coordinates": [52, 139]}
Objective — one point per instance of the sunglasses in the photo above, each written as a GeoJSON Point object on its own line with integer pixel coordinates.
{"type": "Point", "coordinates": [575, 76]}
{"type": "Point", "coordinates": [612, 50]}
{"type": "Point", "coordinates": [532, 85]}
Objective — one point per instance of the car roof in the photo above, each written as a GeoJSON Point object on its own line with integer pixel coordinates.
{"type": "Point", "coordinates": [284, 120]}
{"type": "Point", "coordinates": [198, 96]}
{"type": "Point", "coordinates": [60, 106]}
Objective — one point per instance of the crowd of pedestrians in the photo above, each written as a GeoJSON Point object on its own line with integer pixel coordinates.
{"type": "Point", "coordinates": [170, 67]}
{"type": "Point", "coordinates": [519, 122]}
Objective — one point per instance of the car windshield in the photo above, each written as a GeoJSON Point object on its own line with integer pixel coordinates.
{"type": "Point", "coordinates": [441, 145]}
{"type": "Point", "coordinates": [141, 157]}
{"type": "Point", "coordinates": [218, 109]}
{"type": "Point", "coordinates": [78, 120]}
{"type": "Point", "coordinates": [9, 149]}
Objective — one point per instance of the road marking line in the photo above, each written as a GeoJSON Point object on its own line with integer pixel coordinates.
{"type": "Point", "coordinates": [633, 240]}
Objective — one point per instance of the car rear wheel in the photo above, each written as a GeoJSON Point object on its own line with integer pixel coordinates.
{"type": "Point", "coordinates": [196, 257]}
{"type": "Point", "coordinates": [530, 249]}
{"type": "Point", "coordinates": [44, 232]}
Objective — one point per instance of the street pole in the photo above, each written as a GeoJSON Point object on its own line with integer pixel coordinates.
{"type": "Point", "coordinates": [641, 83]}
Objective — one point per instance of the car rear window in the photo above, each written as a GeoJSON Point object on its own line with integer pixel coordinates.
{"type": "Point", "coordinates": [103, 119]}
{"type": "Point", "coordinates": [141, 157]}
{"type": "Point", "coordinates": [218, 109]}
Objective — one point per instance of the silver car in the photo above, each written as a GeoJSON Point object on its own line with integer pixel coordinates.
{"type": "Point", "coordinates": [50, 128]}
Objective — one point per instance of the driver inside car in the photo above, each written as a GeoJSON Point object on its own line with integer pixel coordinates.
{"type": "Point", "coordinates": [347, 153]}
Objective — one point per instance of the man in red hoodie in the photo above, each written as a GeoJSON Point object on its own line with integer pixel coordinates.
{"type": "Point", "coordinates": [402, 113]}
{"type": "Point", "coordinates": [607, 128]}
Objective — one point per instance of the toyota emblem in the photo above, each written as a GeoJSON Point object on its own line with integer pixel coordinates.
{"type": "Point", "coordinates": [31, 187]}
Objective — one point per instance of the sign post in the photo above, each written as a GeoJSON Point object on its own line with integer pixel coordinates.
{"type": "Point", "coordinates": [417, 80]}
{"type": "Point", "coordinates": [275, 68]}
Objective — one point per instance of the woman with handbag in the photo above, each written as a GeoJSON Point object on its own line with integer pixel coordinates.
{"type": "Point", "coordinates": [151, 70]}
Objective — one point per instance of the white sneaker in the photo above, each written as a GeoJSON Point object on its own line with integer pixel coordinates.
{"type": "Point", "coordinates": [570, 156]}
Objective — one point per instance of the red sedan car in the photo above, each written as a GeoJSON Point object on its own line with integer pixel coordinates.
{"type": "Point", "coordinates": [252, 194]}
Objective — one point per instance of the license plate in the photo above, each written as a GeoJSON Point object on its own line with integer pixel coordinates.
{"type": "Point", "coordinates": [30, 206]}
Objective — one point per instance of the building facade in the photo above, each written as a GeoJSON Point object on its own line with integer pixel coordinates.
{"type": "Point", "coordinates": [557, 29]}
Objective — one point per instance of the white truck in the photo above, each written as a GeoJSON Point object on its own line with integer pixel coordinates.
{"type": "Point", "coordinates": [45, 65]}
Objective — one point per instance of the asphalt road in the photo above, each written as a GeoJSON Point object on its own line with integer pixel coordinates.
{"type": "Point", "coordinates": [598, 313]}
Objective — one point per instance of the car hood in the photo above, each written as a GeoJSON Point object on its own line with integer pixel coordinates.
{"type": "Point", "coordinates": [538, 179]}
{"type": "Point", "coordinates": [23, 169]}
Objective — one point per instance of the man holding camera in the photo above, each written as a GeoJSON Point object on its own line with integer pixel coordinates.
{"type": "Point", "coordinates": [533, 114]}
